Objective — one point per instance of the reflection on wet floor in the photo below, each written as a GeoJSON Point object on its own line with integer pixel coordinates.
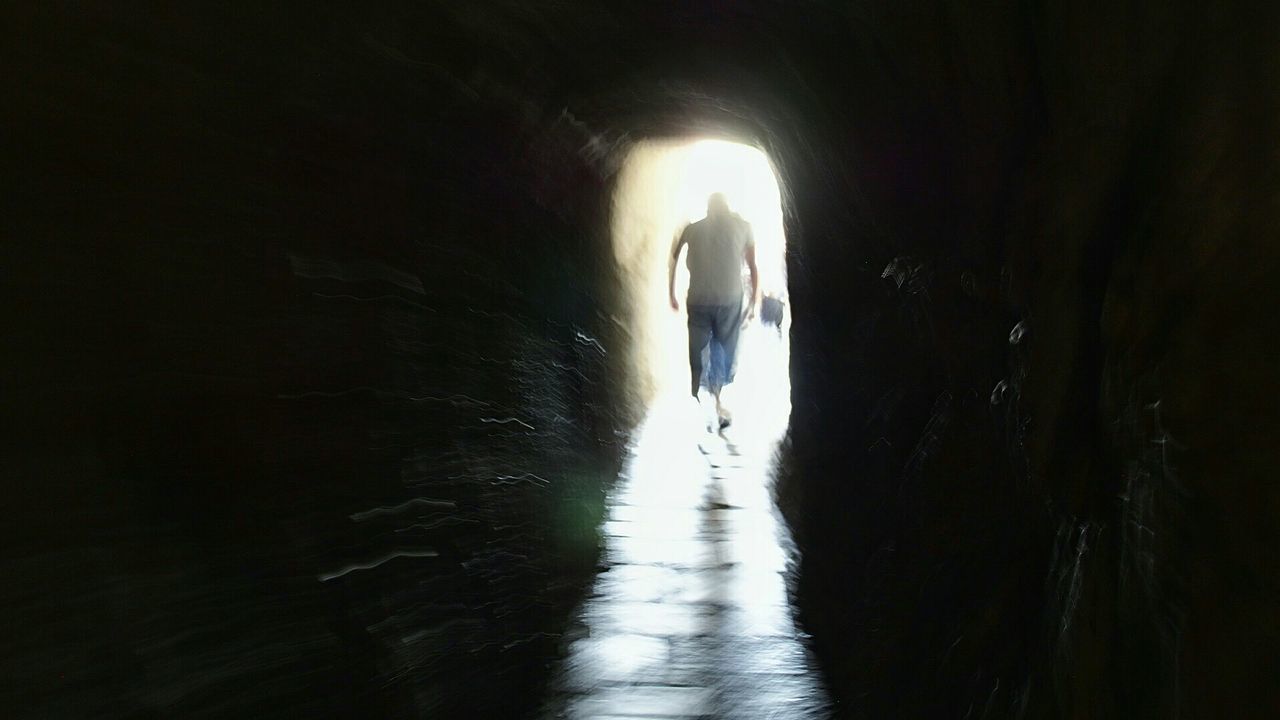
{"type": "Point", "coordinates": [690, 617]}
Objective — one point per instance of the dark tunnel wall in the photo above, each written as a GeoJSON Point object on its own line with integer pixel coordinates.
{"type": "Point", "coordinates": [1053, 502]}
{"type": "Point", "coordinates": [279, 270]}
{"type": "Point", "coordinates": [289, 302]}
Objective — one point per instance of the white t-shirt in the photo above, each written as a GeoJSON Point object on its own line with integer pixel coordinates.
{"type": "Point", "coordinates": [717, 249]}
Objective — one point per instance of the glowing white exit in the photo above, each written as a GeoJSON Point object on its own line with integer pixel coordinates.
{"type": "Point", "coordinates": [662, 187]}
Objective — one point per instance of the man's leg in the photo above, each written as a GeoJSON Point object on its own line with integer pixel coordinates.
{"type": "Point", "coordinates": [726, 327]}
{"type": "Point", "coordinates": [717, 373]}
{"type": "Point", "coordinates": [701, 327]}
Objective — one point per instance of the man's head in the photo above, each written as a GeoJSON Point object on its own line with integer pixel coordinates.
{"type": "Point", "coordinates": [717, 205]}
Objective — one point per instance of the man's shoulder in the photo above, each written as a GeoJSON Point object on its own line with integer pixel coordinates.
{"type": "Point", "coordinates": [742, 228]}
{"type": "Point", "coordinates": [694, 229]}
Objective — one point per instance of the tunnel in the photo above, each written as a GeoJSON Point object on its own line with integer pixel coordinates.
{"type": "Point", "coordinates": [323, 390]}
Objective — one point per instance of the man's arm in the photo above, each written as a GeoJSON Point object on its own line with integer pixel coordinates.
{"type": "Point", "coordinates": [755, 280]}
{"type": "Point", "coordinates": [671, 269]}
{"type": "Point", "coordinates": [750, 254]}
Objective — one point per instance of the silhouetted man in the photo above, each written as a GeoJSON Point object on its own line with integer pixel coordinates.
{"type": "Point", "coordinates": [718, 245]}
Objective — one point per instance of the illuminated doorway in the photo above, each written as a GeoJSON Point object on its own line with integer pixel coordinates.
{"type": "Point", "coordinates": [663, 186]}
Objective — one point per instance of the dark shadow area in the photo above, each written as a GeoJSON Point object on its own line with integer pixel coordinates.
{"type": "Point", "coordinates": [314, 364]}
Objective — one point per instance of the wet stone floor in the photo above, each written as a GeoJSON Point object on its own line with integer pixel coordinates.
{"type": "Point", "coordinates": [689, 617]}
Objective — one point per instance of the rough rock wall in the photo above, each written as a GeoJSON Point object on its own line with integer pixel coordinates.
{"type": "Point", "coordinates": [1046, 376]}
{"type": "Point", "coordinates": [306, 356]}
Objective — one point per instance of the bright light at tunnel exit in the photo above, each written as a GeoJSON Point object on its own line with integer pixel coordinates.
{"type": "Point", "coordinates": [662, 187]}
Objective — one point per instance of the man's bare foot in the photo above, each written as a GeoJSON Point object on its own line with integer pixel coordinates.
{"type": "Point", "coordinates": [723, 414]}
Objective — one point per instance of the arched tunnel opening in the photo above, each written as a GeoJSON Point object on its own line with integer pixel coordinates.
{"type": "Point", "coordinates": [332, 357]}
{"type": "Point", "coordinates": [662, 187]}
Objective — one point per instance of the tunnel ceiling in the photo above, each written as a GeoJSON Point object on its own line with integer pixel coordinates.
{"type": "Point", "coordinates": [653, 69]}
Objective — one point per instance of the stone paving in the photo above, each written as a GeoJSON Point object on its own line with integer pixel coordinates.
{"type": "Point", "coordinates": [689, 617]}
